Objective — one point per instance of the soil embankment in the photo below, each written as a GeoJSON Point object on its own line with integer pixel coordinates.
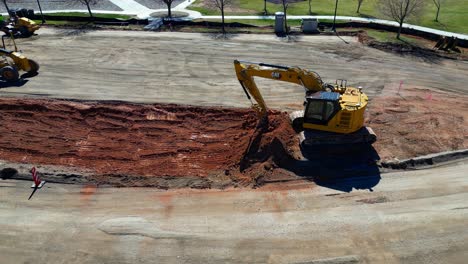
{"type": "Point", "coordinates": [139, 140]}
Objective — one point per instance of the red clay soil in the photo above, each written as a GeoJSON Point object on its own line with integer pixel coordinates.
{"type": "Point", "coordinates": [414, 122]}
{"type": "Point", "coordinates": [139, 140]}
{"type": "Point", "coordinates": [185, 146]}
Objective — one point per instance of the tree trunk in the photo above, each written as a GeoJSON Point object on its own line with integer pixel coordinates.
{"type": "Point", "coordinates": [265, 11]}
{"type": "Point", "coordinates": [310, 7]}
{"type": "Point", "coordinates": [285, 8]}
{"type": "Point", "coordinates": [89, 10]}
{"type": "Point", "coordinates": [222, 15]}
{"type": "Point", "coordinates": [399, 30]}
{"type": "Point", "coordinates": [6, 7]}
{"type": "Point", "coordinates": [169, 12]}
{"type": "Point", "coordinates": [358, 7]}
{"type": "Point", "coordinates": [40, 10]}
{"type": "Point", "coordinates": [437, 15]}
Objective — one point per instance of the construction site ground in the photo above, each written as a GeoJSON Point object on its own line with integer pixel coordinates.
{"type": "Point", "coordinates": [410, 217]}
{"type": "Point", "coordinates": [145, 109]}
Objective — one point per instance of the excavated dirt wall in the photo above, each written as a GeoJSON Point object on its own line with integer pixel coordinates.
{"type": "Point", "coordinates": [138, 140]}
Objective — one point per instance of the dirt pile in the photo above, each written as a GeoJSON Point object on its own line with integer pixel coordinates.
{"type": "Point", "coordinates": [131, 140]}
{"type": "Point", "coordinates": [411, 122]}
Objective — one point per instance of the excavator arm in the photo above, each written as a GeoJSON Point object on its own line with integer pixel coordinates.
{"type": "Point", "coordinates": [246, 71]}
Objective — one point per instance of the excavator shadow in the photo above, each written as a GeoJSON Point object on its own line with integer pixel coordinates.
{"type": "Point", "coordinates": [18, 83]}
{"type": "Point", "coordinates": [342, 168]}
{"type": "Point", "coordinates": [29, 75]}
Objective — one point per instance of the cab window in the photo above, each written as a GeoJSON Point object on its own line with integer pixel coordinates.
{"type": "Point", "coordinates": [319, 111]}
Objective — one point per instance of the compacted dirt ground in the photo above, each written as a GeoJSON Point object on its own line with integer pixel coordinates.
{"type": "Point", "coordinates": [416, 121]}
{"type": "Point", "coordinates": [197, 69]}
{"type": "Point", "coordinates": [410, 217]}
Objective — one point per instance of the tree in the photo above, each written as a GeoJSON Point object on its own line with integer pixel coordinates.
{"type": "Point", "coordinates": [6, 6]}
{"type": "Point", "coordinates": [221, 4]}
{"type": "Point", "coordinates": [437, 3]}
{"type": "Point", "coordinates": [265, 11]}
{"type": "Point", "coordinates": [310, 7]}
{"type": "Point", "coordinates": [169, 6]}
{"type": "Point", "coordinates": [88, 4]}
{"type": "Point", "coordinates": [285, 9]}
{"type": "Point", "coordinates": [400, 10]}
{"type": "Point", "coordinates": [359, 3]}
{"type": "Point", "coordinates": [40, 10]}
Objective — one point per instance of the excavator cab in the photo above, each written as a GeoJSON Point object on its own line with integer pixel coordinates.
{"type": "Point", "coordinates": [321, 107]}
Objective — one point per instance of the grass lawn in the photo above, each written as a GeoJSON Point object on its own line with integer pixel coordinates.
{"type": "Point", "coordinates": [453, 14]}
{"type": "Point", "coordinates": [60, 22]}
{"type": "Point", "coordinates": [258, 22]}
{"type": "Point", "coordinates": [85, 14]}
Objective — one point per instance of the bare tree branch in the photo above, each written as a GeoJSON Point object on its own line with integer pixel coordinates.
{"type": "Point", "coordinates": [88, 4]}
{"type": "Point", "coordinates": [221, 4]}
{"type": "Point", "coordinates": [400, 10]}
{"type": "Point", "coordinates": [438, 4]}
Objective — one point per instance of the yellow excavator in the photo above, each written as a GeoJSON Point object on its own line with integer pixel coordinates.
{"type": "Point", "coordinates": [13, 61]}
{"type": "Point", "coordinates": [333, 113]}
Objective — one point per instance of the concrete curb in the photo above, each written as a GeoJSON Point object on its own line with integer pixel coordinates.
{"type": "Point", "coordinates": [426, 161]}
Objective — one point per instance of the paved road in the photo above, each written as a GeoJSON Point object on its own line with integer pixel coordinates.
{"type": "Point", "coordinates": [197, 69]}
{"type": "Point", "coordinates": [48, 5]}
{"type": "Point", "coordinates": [410, 217]}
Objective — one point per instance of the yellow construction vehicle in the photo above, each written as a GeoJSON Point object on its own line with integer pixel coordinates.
{"type": "Point", "coordinates": [13, 61]}
{"type": "Point", "coordinates": [20, 27]}
{"type": "Point", "coordinates": [333, 114]}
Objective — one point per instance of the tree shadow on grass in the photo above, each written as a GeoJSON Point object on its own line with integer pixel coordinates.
{"type": "Point", "coordinates": [366, 16]}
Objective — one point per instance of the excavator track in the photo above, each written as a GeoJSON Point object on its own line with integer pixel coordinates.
{"type": "Point", "coordinates": [310, 138]}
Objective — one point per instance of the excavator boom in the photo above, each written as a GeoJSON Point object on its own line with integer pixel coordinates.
{"type": "Point", "coordinates": [246, 71]}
